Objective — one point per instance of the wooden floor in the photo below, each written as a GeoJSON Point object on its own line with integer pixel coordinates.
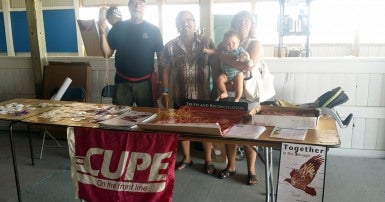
{"type": "Point", "coordinates": [347, 179]}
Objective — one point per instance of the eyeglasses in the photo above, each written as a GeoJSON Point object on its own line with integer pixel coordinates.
{"type": "Point", "coordinates": [136, 3]}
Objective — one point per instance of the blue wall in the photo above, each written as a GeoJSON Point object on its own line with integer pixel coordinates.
{"type": "Point", "coordinates": [20, 31]}
{"type": "Point", "coordinates": [3, 44]}
{"type": "Point", "coordinates": [59, 26]}
{"type": "Point", "coordinates": [60, 30]}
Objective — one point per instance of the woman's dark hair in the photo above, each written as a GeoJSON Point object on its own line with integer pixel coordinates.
{"type": "Point", "coordinates": [238, 17]}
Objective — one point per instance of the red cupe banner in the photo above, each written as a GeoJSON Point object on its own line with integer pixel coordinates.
{"type": "Point", "coordinates": [110, 165]}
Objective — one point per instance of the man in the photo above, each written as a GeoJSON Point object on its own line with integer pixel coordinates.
{"type": "Point", "coordinates": [186, 73]}
{"type": "Point", "coordinates": [135, 42]}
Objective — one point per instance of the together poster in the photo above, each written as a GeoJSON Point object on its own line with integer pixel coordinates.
{"type": "Point", "coordinates": [301, 173]}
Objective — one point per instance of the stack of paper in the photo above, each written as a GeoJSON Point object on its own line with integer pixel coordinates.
{"type": "Point", "coordinates": [245, 131]}
{"type": "Point", "coordinates": [128, 120]}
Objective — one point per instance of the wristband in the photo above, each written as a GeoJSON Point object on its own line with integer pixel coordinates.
{"type": "Point", "coordinates": [165, 90]}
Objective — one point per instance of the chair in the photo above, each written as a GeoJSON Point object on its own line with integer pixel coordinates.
{"type": "Point", "coordinates": [73, 93]}
{"type": "Point", "coordinates": [107, 92]}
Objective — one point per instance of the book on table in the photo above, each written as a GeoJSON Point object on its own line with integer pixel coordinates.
{"type": "Point", "coordinates": [199, 117]}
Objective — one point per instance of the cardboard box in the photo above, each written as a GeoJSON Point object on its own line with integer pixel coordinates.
{"type": "Point", "coordinates": [286, 117]}
{"type": "Point", "coordinates": [90, 36]}
{"type": "Point", "coordinates": [56, 72]}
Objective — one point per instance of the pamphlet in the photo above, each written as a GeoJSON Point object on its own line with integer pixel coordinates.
{"type": "Point", "coordinates": [245, 131]}
{"type": "Point", "coordinates": [289, 133]}
{"type": "Point", "coordinates": [128, 120]}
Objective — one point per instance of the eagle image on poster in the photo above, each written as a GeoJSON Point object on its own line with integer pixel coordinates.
{"type": "Point", "coordinates": [302, 177]}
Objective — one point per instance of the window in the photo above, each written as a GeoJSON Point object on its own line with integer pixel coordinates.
{"type": "Point", "coordinates": [223, 13]}
{"type": "Point", "coordinates": [267, 22]}
{"type": "Point", "coordinates": [371, 21]}
{"type": "Point", "coordinates": [267, 13]}
{"type": "Point", "coordinates": [338, 21]}
{"type": "Point", "coordinates": [331, 21]}
{"type": "Point", "coordinates": [151, 13]}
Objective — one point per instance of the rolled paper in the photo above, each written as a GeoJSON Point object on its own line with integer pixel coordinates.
{"type": "Point", "coordinates": [63, 88]}
{"type": "Point", "coordinates": [103, 15]}
{"type": "Point", "coordinates": [102, 12]}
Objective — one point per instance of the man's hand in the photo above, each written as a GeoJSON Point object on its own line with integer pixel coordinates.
{"type": "Point", "coordinates": [166, 100]}
{"type": "Point", "coordinates": [208, 51]}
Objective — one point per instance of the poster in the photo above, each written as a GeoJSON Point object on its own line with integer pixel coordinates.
{"type": "Point", "coordinates": [301, 173]}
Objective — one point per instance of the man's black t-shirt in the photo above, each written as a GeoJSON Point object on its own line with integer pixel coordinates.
{"type": "Point", "coordinates": [135, 46]}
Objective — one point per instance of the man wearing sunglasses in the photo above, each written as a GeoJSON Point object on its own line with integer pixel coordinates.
{"type": "Point", "coordinates": [134, 41]}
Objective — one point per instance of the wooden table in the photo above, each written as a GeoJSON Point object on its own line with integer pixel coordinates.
{"type": "Point", "coordinates": [326, 134]}
{"type": "Point", "coordinates": [17, 118]}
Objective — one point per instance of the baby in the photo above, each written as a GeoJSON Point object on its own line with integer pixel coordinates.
{"type": "Point", "coordinates": [233, 76]}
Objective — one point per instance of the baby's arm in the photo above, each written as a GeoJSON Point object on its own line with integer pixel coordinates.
{"type": "Point", "coordinates": [208, 51]}
{"type": "Point", "coordinates": [243, 57]}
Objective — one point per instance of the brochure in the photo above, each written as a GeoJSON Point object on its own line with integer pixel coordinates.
{"type": "Point", "coordinates": [289, 133]}
{"type": "Point", "coordinates": [245, 131]}
{"type": "Point", "coordinates": [128, 120]}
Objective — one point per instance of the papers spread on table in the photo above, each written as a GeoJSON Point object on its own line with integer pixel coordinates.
{"type": "Point", "coordinates": [245, 131]}
{"type": "Point", "coordinates": [128, 120]}
{"type": "Point", "coordinates": [289, 133]}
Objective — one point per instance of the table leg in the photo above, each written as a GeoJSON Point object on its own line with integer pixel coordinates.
{"type": "Point", "coordinates": [30, 145]}
{"type": "Point", "coordinates": [267, 175]}
{"type": "Point", "coordinates": [15, 170]}
{"type": "Point", "coordinates": [270, 189]}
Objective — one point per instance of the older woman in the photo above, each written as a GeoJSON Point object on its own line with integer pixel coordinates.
{"type": "Point", "coordinates": [186, 75]}
{"type": "Point", "coordinates": [243, 24]}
